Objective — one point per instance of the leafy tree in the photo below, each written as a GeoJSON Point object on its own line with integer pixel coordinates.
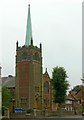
{"type": "Point", "coordinates": [6, 97]}
{"type": "Point", "coordinates": [60, 84]}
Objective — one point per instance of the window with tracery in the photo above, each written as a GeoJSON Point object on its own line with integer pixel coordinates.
{"type": "Point", "coordinates": [23, 100]}
{"type": "Point", "coordinates": [46, 87]}
{"type": "Point", "coordinates": [36, 56]}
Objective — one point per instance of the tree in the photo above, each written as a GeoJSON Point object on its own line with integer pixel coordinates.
{"type": "Point", "coordinates": [60, 84]}
{"type": "Point", "coordinates": [6, 97]}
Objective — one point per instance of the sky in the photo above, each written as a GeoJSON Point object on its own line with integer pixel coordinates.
{"type": "Point", "coordinates": [57, 24]}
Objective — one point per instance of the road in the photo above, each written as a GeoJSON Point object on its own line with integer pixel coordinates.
{"type": "Point", "coordinates": [74, 117]}
{"type": "Point", "coordinates": [51, 118]}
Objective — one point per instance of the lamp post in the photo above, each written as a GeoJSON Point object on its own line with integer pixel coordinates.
{"type": "Point", "coordinates": [82, 96]}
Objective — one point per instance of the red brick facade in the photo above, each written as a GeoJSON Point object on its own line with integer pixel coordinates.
{"type": "Point", "coordinates": [28, 83]}
{"type": "Point", "coordinates": [47, 91]}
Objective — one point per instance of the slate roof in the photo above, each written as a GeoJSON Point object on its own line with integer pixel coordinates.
{"type": "Point", "coordinates": [8, 81]}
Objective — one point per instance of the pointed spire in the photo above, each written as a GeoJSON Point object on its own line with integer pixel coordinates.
{"type": "Point", "coordinates": [31, 41]}
{"type": "Point", "coordinates": [28, 29]}
{"type": "Point", "coordinates": [17, 45]}
{"type": "Point", "coordinates": [46, 70]}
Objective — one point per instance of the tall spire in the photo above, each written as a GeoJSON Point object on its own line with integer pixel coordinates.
{"type": "Point", "coordinates": [28, 29]}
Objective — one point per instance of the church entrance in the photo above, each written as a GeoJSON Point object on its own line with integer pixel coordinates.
{"type": "Point", "coordinates": [36, 105]}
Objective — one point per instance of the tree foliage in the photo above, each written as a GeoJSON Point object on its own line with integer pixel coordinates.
{"type": "Point", "coordinates": [60, 84]}
{"type": "Point", "coordinates": [6, 97]}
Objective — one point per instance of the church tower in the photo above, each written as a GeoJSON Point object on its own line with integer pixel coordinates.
{"type": "Point", "coordinates": [28, 84]}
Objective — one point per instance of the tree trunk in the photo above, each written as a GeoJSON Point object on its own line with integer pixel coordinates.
{"type": "Point", "coordinates": [59, 109]}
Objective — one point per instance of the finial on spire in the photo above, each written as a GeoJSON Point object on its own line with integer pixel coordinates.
{"type": "Point", "coordinates": [29, 3]}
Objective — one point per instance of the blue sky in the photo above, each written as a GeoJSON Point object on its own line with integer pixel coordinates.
{"type": "Point", "coordinates": [57, 24]}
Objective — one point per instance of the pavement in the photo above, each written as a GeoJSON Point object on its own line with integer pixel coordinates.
{"type": "Point", "coordinates": [44, 119]}
{"type": "Point", "coordinates": [0, 117]}
{"type": "Point", "coordinates": [68, 116]}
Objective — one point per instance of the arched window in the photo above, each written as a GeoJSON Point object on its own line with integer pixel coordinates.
{"type": "Point", "coordinates": [36, 56]}
{"type": "Point", "coordinates": [24, 55]}
{"type": "Point", "coordinates": [46, 87]}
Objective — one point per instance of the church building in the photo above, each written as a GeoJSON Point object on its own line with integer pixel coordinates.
{"type": "Point", "coordinates": [32, 88]}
